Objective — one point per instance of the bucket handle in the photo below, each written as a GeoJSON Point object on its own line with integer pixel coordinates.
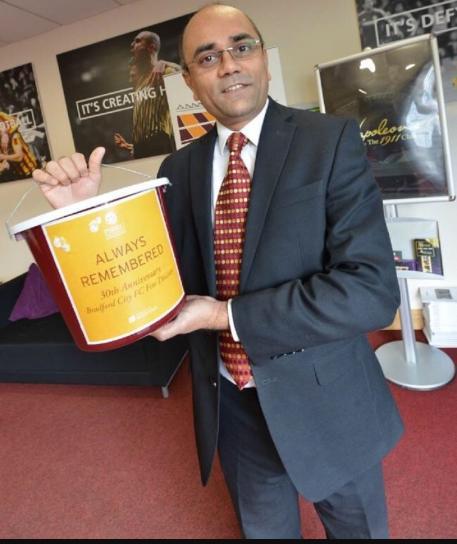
{"type": "Point", "coordinates": [35, 185]}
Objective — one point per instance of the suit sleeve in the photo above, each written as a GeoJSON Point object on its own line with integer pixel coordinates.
{"type": "Point", "coordinates": [355, 292]}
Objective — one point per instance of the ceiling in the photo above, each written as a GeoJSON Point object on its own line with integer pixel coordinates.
{"type": "Point", "coordinates": [22, 19]}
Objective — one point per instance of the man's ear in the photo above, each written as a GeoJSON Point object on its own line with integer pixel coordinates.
{"type": "Point", "coordinates": [188, 79]}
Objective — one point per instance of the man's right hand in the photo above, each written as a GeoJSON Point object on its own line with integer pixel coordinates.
{"type": "Point", "coordinates": [70, 179]}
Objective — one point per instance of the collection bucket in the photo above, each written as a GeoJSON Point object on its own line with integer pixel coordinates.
{"type": "Point", "coordinates": [109, 262]}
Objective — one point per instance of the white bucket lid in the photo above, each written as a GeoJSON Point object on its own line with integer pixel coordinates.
{"type": "Point", "coordinates": [86, 204]}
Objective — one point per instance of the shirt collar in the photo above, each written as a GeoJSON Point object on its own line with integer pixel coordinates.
{"type": "Point", "coordinates": [252, 130]}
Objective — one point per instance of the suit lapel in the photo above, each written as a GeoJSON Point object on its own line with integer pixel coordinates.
{"type": "Point", "coordinates": [272, 151]}
{"type": "Point", "coordinates": [201, 188]}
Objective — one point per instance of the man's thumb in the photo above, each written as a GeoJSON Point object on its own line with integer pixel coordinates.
{"type": "Point", "coordinates": [95, 160]}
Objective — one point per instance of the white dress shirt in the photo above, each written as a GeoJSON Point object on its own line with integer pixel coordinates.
{"type": "Point", "coordinates": [220, 164]}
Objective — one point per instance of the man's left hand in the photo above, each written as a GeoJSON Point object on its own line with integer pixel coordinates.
{"type": "Point", "coordinates": [198, 312]}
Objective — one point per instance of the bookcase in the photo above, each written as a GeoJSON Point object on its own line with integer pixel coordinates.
{"type": "Point", "coordinates": [416, 247]}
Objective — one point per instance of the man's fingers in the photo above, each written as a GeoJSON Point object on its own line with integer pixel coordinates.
{"type": "Point", "coordinates": [43, 178]}
{"type": "Point", "coordinates": [56, 171]}
{"type": "Point", "coordinates": [70, 169]}
{"type": "Point", "coordinates": [167, 331]}
{"type": "Point", "coordinates": [95, 160]}
{"type": "Point", "coordinates": [79, 161]}
{"type": "Point", "coordinates": [162, 334]}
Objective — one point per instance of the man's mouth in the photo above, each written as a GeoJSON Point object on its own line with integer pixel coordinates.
{"type": "Point", "coordinates": [234, 87]}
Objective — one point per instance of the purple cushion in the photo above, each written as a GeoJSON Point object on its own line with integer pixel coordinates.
{"type": "Point", "coordinates": [35, 299]}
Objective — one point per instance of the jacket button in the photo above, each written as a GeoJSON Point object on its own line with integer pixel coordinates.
{"type": "Point", "coordinates": [213, 382]}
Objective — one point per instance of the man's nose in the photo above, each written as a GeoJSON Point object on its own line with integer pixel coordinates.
{"type": "Point", "coordinates": [227, 64]}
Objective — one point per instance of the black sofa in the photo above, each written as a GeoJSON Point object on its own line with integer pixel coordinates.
{"type": "Point", "coordinates": [42, 351]}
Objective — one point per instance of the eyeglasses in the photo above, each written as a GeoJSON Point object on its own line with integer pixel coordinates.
{"type": "Point", "coordinates": [240, 51]}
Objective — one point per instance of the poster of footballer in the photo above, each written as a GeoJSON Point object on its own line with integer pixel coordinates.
{"type": "Point", "coordinates": [23, 140]}
{"type": "Point", "coordinates": [115, 93]}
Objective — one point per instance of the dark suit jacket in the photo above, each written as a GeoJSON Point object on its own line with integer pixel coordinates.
{"type": "Point", "coordinates": [317, 274]}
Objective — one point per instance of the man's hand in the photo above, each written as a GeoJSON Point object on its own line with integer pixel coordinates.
{"type": "Point", "coordinates": [197, 313]}
{"type": "Point", "coordinates": [70, 179]}
{"type": "Point", "coordinates": [121, 142]}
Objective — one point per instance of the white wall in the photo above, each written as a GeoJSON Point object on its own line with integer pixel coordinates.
{"type": "Point", "coordinates": [307, 32]}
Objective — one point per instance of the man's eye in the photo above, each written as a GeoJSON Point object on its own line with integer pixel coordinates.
{"type": "Point", "coordinates": [209, 58]}
{"type": "Point", "coordinates": [243, 48]}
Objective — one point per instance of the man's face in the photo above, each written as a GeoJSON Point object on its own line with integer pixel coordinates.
{"type": "Point", "coordinates": [140, 45]}
{"type": "Point", "coordinates": [233, 90]}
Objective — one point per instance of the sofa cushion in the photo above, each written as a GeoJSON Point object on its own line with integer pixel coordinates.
{"type": "Point", "coordinates": [35, 300]}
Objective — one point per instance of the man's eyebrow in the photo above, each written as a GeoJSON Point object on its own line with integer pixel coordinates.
{"type": "Point", "coordinates": [242, 36]}
{"type": "Point", "coordinates": [204, 47]}
{"type": "Point", "coordinates": [211, 46]}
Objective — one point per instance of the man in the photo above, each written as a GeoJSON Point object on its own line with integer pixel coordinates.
{"type": "Point", "coordinates": [16, 157]}
{"type": "Point", "coordinates": [307, 409]}
{"type": "Point", "coordinates": [152, 127]}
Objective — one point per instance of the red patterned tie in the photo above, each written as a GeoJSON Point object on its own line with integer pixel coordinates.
{"type": "Point", "coordinates": [229, 226]}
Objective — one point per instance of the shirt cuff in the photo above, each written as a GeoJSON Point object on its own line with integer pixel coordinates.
{"type": "Point", "coordinates": [231, 322]}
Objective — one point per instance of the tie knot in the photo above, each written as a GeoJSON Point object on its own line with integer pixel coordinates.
{"type": "Point", "coordinates": [236, 142]}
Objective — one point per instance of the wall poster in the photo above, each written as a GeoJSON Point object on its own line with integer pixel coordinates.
{"type": "Point", "coordinates": [386, 21]}
{"type": "Point", "coordinates": [394, 93]}
{"type": "Point", "coordinates": [115, 93]}
{"type": "Point", "coordinates": [23, 139]}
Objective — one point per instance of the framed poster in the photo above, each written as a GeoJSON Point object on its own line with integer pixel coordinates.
{"type": "Point", "coordinates": [115, 93]}
{"type": "Point", "coordinates": [395, 94]}
{"type": "Point", "coordinates": [23, 139]}
{"type": "Point", "coordinates": [387, 21]}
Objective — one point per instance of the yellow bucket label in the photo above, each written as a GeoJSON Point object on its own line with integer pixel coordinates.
{"type": "Point", "coordinates": [118, 267]}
